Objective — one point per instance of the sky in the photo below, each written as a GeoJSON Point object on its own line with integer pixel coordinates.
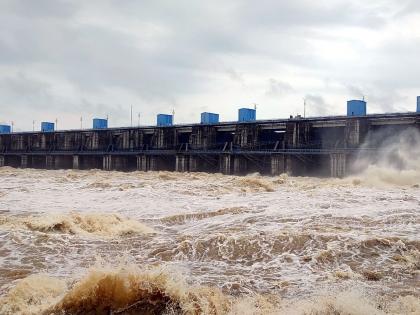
{"type": "Point", "coordinates": [67, 60]}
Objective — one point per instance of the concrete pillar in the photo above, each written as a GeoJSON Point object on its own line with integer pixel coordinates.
{"type": "Point", "coordinates": [161, 142]}
{"type": "Point", "coordinates": [181, 163]}
{"type": "Point", "coordinates": [95, 141]}
{"type": "Point", "coordinates": [355, 132]}
{"type": "Point", "coordinates": [240, 165]}
{"type": "Point", "coordinates": [43, 141]}
{"type": "Point", "coordinates": [147, 163]}
{"type": "Point", "coordinates": [225, 164]}
{"type": "Point", "coordinates": [153, 163]}
{"type": "Point", "coordinates": [107, 163]}
{"type": "Point", "coordinates": [338, 165]}
{"type": "Point", "coordinates": [23, 161]}
{"type": "Point", "coordinates": [298, 134]}
{"type": "Point", "coordinates": [2, 160]}
{"type": "Point", "coordinates": [243, 137]}
{"type": "Point", "coordinates": [76, 162]}
{"type": "Point", "coordinates": [193, 161]}
{"type": "Point", "coordinates": [126, 140]}
{"type": "Point", "coordinates": [277, 164]}
{"type": "Point", "coordinates": [67, 141]}
{"type": "Point", "coordinates": [50, 162]}
{"type": "Point", "coordinates": [142, 163]}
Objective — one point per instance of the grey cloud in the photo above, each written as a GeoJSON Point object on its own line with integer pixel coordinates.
{"type": "Point", "coordinates": [39, 8]}
{"type": "Point", "coordinates": [379, 99]}
{"type": "Point", "coordinates": [161, 52]}
{"type": "Point", "coordinates": [301, 13]}
{"type": "Point", "coordinates": [20, 90]}
{"type": "Point", "coordinates": [278, 88]}
{"type": "Point", "coordinates": [410, 7]}
{"type": "Point", "coordinates": [316, 105]}
{"type": "Point", "coordinates": [235, 75]}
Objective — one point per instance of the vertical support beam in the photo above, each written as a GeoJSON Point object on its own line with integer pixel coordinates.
{"type": "Point", "coordinates": [153, 163]}
{"type": "Point", "coordinates": [298, 134]}
{"type": "Point", "coordinates": [164, 138]}
{"type": "Point", "coordinates": [23, 161]}
{"type": "Point", "coordinates": [193, 163]}
{"type": "Point", "coordinates": [49, 162]}
{"type": "Point", "coordinates": [139, 163]}
{"type": "Point", "coordinates": [338, 165]}
{"type": "Point", "coordinates": [355, 132]}
{"type": "Point", "coordinates": [277, 164]}
{"type": "Point", "coordinates": [67, 141]}
{"type": "Point", "coordinates": [143, 162]}
{"type": "Point", "coordinates": [95, 141]}
{"type": "Point", "coordinates": [243, 138]}
{"type": "Point", "coordinates": [2, 160]}
{"type": "Point", "coordinates": [107, 163]}
{"type": "Point", "coordinates": [240, 165]}
{"type": "Point", "coordinates": [76, 162]}
{"type": "Point", "coordinates": [225, 164]}
{"type": "Point", "coordinates": [178, 161]}
{"type": "Point", "coordinates": [181, 163]}
{"type": "Point", "coordinates": [126, 140]}
{"type": "Point", "coordinates": [43, 141]}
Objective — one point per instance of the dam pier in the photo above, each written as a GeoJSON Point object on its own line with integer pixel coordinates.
{"type": "Point", "coordinates": [323, 146]}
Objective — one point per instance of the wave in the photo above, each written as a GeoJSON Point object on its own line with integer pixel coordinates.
{"type": "Point", "coordinates": [95, 224]}
{"type": "Point", "coordinates": [255, 184]}
{"type": "Point", "coordinates": [123, 290]}
{"type": "Point", "coordinates": [182, 218]}
{"type": "Point", "coordinates": [132, 290]}
{"type": "Point", "coordinates": [375, 175]}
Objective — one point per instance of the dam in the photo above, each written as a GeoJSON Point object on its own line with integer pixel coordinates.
{"type": "Point", "coordinates": [320, 146]}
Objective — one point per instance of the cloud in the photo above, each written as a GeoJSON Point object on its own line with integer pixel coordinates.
{"type": "Point", "coordinates": [278, 88]}
{"type": "Point", "coordinates": [61, 58]}
{"type": "Point", "coordinates": [317, 106]}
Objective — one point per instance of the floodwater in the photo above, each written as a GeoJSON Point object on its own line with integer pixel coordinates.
{"type": "Point", "coordinates": [94, 242]}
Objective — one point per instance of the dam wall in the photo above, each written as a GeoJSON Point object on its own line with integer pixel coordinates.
{"type": "Point", "coordinates": [323, 146]}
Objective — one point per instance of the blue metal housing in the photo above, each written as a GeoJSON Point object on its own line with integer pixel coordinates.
{"type": "Point", "coordinates": [418, 104]}
{"type": "Point", "coordinates": [99, 123]}
{"type": "Point", "coordinates": [356, 108]}
{"type": "Point", "coordinates": [5, 129]}
{"type": "Point", "coordinates": [209, 118]}
{"type": "Point", "coordinates": [247, 114]}
{"type": "Point", "coordinates": [47, 126]}
{"type": "Point", "coordinates": [164, 120]}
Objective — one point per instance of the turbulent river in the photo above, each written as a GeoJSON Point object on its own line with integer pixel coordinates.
{"type": "Point", "coordinates": [94, 242]}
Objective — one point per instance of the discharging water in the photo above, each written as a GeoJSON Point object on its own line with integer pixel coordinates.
{"type": "Point", "coordinates": [94, 242]}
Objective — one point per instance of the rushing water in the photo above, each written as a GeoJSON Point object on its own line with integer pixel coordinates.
{"type": "Point", "coordinates": [94, 242]}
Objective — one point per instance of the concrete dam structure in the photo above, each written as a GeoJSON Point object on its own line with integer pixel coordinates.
{"type": "Point", "coordinates": [324, 146]}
